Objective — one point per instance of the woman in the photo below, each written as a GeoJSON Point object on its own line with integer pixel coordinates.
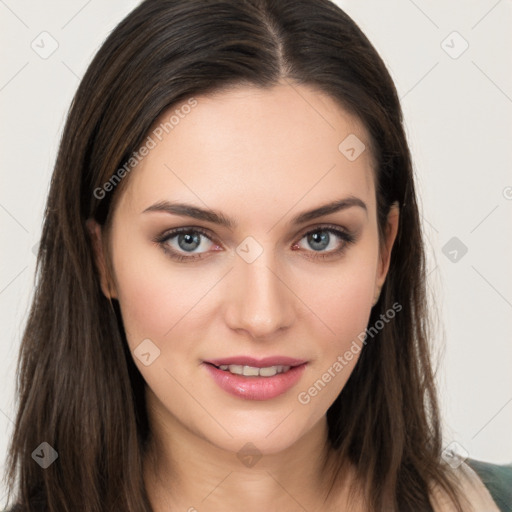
{"type": "Point", "coordinates": [230, 311]}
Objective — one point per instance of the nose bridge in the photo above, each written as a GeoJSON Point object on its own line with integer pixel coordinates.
{"type": "Point", "coordinates": [262, 302]}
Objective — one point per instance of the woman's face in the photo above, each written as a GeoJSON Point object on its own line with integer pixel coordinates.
{"type": "Point", "coordinates": [255, 290]}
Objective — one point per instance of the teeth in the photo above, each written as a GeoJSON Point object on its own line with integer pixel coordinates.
{"type": "Point", "coordinates": [252, 371]}
{"type": "Point", "coordinates": [268, 372]}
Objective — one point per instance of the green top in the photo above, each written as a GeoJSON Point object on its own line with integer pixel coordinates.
{"type": "Point", "coordinates": [497, 479]}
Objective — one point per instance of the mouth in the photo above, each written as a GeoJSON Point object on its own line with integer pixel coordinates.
{"type": "Point", "coordinates": [253, 379]}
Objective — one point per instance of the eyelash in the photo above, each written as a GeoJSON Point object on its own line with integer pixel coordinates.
{"type": "Point", "coordinates": [162, 240]}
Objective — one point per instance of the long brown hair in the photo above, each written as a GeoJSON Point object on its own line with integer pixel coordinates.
{"type": "Point", "coordinates": [79, 389]}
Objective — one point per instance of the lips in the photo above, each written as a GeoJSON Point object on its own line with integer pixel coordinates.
{"type": "Point", "coordinates": [256, 387]}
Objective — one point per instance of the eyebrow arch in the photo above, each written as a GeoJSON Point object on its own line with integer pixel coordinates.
{"type": "Point", "coordinates": [188, 210]}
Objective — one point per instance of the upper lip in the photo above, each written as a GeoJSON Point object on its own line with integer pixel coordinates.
{"type": "Point", "coordinates": [257, 363]}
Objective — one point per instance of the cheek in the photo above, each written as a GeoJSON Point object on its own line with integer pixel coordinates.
{"type": "Point", "coordinates": [154, 295]}
{"type": "Point", "coordinates": [341, 301]}
{"type": "Point", "coordinates": [347, 304]}
{"type": "Point", "coordinates": [341, 297]}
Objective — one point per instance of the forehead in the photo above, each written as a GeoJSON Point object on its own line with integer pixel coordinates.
{"type": "Point", "coordinates": [253, 148]}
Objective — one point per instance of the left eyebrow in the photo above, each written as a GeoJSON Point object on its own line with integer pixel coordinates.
{"type": "Point", "coordinates": [215, 217]}
{"type": "Point", "coordinates": [335, 206]}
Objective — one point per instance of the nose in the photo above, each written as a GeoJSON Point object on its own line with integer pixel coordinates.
{"type": "Point", "coordinates": [261, 302]}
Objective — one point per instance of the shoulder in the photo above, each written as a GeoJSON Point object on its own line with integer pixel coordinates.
{"type": "Point", "coordinates": [485, 490]}
{"type": "Point", "coordinates": [498, 481]}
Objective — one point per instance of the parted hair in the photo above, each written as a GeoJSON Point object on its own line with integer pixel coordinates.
{"type": "Point", "coordinates": [77, 386]}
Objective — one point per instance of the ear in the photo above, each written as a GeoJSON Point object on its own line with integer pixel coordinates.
{"type": "Point", "coordinates": [95, 232]}
{"type": "Point", "coordinates": [386, 246]}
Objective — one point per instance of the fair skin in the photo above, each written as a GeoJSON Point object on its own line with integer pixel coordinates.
{"type": "Point", "coordinates": [261, 157]}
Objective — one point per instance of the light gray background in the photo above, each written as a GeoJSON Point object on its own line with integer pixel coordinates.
{"type": "Point", "coordinates": [458, 119]}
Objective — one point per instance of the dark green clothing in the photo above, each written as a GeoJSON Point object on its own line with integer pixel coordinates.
{"type": "Point", "coordinates": [497, 479]}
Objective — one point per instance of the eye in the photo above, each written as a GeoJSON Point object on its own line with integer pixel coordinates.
{"type": "Point", "coordinates": [321, 238]}
{"type": "Point", "coordinates": [182, 241]}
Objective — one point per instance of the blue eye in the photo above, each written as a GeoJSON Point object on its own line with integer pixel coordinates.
{"type": "Point", "coordinates": [321, 238]}
{"type": "Point", "coordinates": [186, 239]}
{"type": "Point", "coordinates": [180, 243]}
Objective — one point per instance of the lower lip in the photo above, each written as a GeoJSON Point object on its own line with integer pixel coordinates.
{"type": "Point", "coordinates": [256, 388]}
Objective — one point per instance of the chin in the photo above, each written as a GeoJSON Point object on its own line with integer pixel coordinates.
{"type": "Point", "coordinates": [266, 434]}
